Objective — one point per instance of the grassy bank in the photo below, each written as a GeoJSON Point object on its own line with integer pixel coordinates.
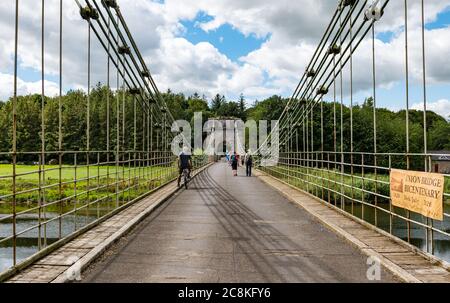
{"type": "Point", "coordinates": [79, 185]}
{"type": "Point", "coordinates": [330, 183]}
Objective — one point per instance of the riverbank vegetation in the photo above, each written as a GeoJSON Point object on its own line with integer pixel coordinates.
{"type": "Point", "coordinates": [390, 128]}
{"type": "Point", "coordinates": [391, 138]}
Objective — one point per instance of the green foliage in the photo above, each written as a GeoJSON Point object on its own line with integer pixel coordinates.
{"type": "Point", "coordinates": [229, 110]}
{"type": "Point", "coordinates": [28, 123]}
{"type": "Point", "coordinates": [105, 182]}
{"type": "Point", "coordinates": [242, 107]}
{"type": "Point", "coordinates": [390, 131]}
{"type": "Point", "coordinates": [439, 135]}
{"type": "Point", "coordinates": [328, 184]}
{"type": "Point", "coordinates": [269, 109]}
{"type": "Point", "coordinates": [217, 103]}
{"type": "Point", "coordinates": [391, 126]}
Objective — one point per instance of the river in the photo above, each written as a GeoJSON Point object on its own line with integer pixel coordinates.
{"type": "Point", "coordinates": [27, 243]}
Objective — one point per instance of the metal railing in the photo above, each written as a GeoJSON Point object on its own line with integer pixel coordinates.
{"type": "Point", "coordinates": [361, 188]}
{"type": "Point", "coordinates": [45, 214]}
{"type": "Point", "coordinates": [320, 151]}
{"type": "Point", "coordinates": [52, 190]}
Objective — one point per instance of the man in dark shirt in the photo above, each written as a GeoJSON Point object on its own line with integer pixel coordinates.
{"type": "Point", "coordinates": [248, 163]}
{"type": "Point", "coordinates": [184, 162]}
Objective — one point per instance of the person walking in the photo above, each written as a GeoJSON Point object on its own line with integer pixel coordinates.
{"type": "Point", "coordinates": [234, 164]}
{"type": "Point", "coordinates": [248, 163]}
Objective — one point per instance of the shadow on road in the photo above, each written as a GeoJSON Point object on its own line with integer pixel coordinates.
{"type": "Point", "coordinates": [271, 253]}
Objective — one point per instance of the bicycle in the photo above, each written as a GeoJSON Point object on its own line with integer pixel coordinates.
{"type": "Point", "coordinates": [186, 177]}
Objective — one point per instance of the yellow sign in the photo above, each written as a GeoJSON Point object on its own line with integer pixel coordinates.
{"type": "Point", "coordinates": [419, 192]}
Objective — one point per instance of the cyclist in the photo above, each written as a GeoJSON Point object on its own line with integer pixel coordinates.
{"type": "Point", "coordinates": [184, 162]}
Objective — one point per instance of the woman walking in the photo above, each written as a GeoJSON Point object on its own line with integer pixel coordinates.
{"type": "Point", "coordinates": [234, 164]}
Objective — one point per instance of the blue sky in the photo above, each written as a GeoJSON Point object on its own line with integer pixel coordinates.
{"type": "Point", "coordinates": [443, 20]}
{"type": "Point", "coordinates": [233, 44]}
{"type": "Point", "coordinates": [32, 75]}
{"type": "Point", "coordinates": [228, 40]}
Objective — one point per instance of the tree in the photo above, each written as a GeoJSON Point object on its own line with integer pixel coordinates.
{"type": "Point", "coordinates": [28, 123]}
{"type": "Point", "coordinates": [217, 103]}
{"type": "Point", "coordinates": [391, 126]}
{"type": "Point", "coordinates": [74, 121]}
{"type": "Point", "coordinates": [197, 105]}
{"type": "Point", "coordinates": [242, 108]}
{"type": "Point", "coordinates": [369, 102]}
{"type": "Point", "coordinates": [5, 126]}
{"type": "Point", "coordinates": [177, 104]}
{"type": "Point", "coordinates": [52, 125]}
{"type": "Point", "coordinates": [269, 109]}
{"type": "Point", "coordinates": [439, 136]}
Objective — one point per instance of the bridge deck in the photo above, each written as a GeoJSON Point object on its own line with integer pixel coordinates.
{"type": "Point", "coordinates": [231, 229]}
{"type": "Point", "coordinates": [80, 252]}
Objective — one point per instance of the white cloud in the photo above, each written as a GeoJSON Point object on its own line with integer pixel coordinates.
{"type": "Point", "coordinates": [441, 107]}
{"type": "Point", "coordinates": [182, 66]}
{"type": "Point", "coordinates": [24, 87]}
{"type": "Point", "coordinates": [295, 27]}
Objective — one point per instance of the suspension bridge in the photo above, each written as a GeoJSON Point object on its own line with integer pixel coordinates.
{"type": "Point", "coordinates": [108, 208]}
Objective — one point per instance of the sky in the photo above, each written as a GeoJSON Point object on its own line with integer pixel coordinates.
{"type": "Point", "coordinates": [255, 47]}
